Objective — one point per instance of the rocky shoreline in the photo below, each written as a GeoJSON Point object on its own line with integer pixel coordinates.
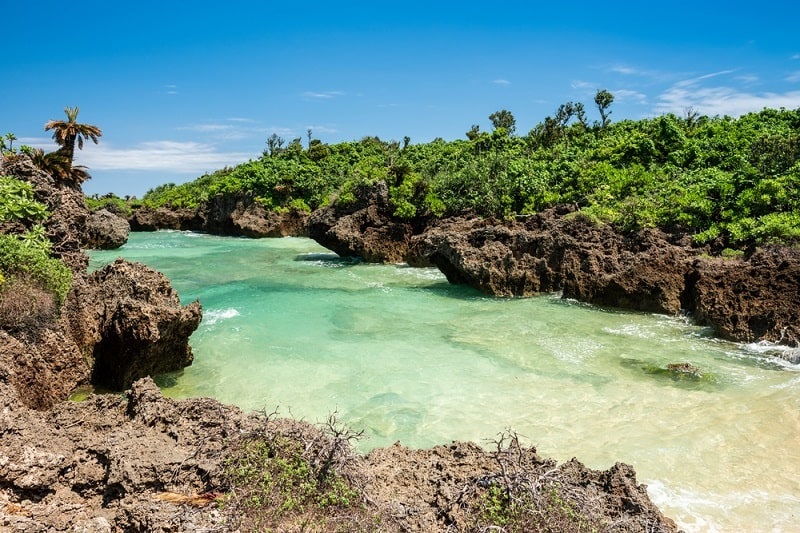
{"type": "Point", "coordinates": [751, 297]}
{"type": "Point", "coordinates": [140, 462]}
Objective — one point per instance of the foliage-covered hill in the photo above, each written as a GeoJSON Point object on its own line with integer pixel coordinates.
{"type": "Point", "coordinates": [733, 181]}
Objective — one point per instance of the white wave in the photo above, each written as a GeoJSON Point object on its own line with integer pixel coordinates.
{"type": "Point", "coordinates": [694, 511]}
{"type": "Point", "coordinates": [212, 316]}
{"type": "Point", "coordinates": [786, 353]}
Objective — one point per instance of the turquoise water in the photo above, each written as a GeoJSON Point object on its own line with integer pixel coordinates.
{"type": "Point", "coordinates": [407, 357]}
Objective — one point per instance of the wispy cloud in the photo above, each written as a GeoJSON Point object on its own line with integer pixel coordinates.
{"type": "Point", "coordinates": [230, 129]}
{"type": "Point", "coordinates": [323, 95]}
{"type": "Point", "coordinates": [629, 95]}
{"type": "Point", "coordinates": [796, 56]}
{"type": "Point", "coordinates": [171, 89]}
{"type": "Point", "coordinates": [166, 156]}
{"type": "Point", "coordinates": [720, 99]}
{"type": "Point", "coordinates": [502, 82]}
{"type": "Point", "coordinates": [747, 78]}
{"type": "Point", "coordinates": [624, 69]}
{"type": "Point", "coordinates": [45, 143]}
{"type": "Point", "coordinates": [322, 129]}
{"type": "Point", "coordinates": [793, 76]}
{"type": "Point", "coordinates": [581, 84]}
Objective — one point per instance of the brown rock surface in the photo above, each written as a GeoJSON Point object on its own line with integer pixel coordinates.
{"type": "Point", "coordinates": [105, 231]}
{"type": "Point", "coordinates": [242, 215]}
{"type": "Point", "coordinates": [365, 229]}
{"type": "Point", "coordinates": [68, 212]}
{"type": "Point", "coordinates": [560, 251]}
{"type": "Point", "coordinates": [128, 321]}
{"type": "Point", "coordinates": [235, 215]}
{"type": "Point", "coordinates": [146, 219]}
{"type": "Point", "coordinates": [99, 465]}
{"type": "Point", "coordinates": [750, 300]}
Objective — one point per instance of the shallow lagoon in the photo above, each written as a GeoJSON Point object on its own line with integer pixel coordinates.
{"type": "Point", "coordinates": [404, 355]}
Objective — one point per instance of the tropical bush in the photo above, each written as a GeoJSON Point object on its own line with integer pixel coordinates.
{"type": "Point", "coordinates": [732, 181]}
{"type": "Point", "coordinates": [28, 258]}
{"type": "Point", "coordinates": [17, 201]}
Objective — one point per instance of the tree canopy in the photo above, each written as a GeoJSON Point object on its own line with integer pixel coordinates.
{"type": "Point", "coordinates": [733, 182]}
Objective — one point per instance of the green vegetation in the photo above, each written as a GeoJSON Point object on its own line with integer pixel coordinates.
{"type": "Point", "coordinates": [17, 201]}
{"type": "Point", "coordinates": [734, 182]}
{"type": "Point", "coordinates": [110, 202]}
{"type": "Point", "coordinates": [296, 478]}
{"type": "Point", "coordinates": [28, 257]}
{"type": "Point", "coordinates": [32, 284]}
{"type": "Point", "coordinates": [525, 496]}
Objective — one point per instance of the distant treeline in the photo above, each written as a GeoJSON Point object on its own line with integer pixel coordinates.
{"type": "Point", "coordinates": [732, 181]}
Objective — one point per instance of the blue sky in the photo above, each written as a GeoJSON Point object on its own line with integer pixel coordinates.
{"type": "Point", "coordinates": [183, 88]}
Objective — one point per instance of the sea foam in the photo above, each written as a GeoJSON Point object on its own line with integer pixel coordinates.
{"type": "Point", "coordinates": [212, 316]}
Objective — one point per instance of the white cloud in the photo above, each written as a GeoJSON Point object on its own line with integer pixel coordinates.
{"type": "Point", "coordinates": [45, 143]}
{"type": "Point", "coordinates": [623, 69]}
{"type": "Point", "coordinates": [793, 76]}
{"type": "Point", "coordinates": [166, 156]}
{"type": "Point", "coordinates": [580, 84]}
{"type": "Point", "coordinates": [720, 100]}
{"type": "Point", "coordinates": [501, 81]}
{"type": "Point", "coordinates": [747, 78]}
{"type": "Point", "coordinates": [323, 95]}
{"type": "Point", "coordinates": [283, 132]}
{"type": "Point", "coordinates": [629, 95]}
{"type": "Point", "coordinates": [322, 129]}
{"type": "Point", "coordinates": [204, 128]}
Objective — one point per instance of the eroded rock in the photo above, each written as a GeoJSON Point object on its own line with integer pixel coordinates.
{"type": "Point", "coordinates": [364, 229]}
{"type": "Point", "coordinates": [560, 251]}
{"type": "Point", "coordinates": [757, 299]}
{"type": "Point", "coordinates": [105, 231]}
{"type": "Point", "coordinates": [128, 321]}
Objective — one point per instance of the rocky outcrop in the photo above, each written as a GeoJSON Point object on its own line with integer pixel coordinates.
{"type": "Point", "coordinates": [97, 465]}
{"type": "Point", "coordinates": [750, 299]}
{"type": "Point", "coordinates": [105, 231]}
{"type": "Point", "coordinates": [105, 464]}
{"type": "Point", "coordinates": [230, 214]}
{"type": "Point", "coordinates": [435, 488]}
{"type": "Point", "coordinates": [146, 219]}
{"type": "Point", "coordinates": [128, 322]}
{"type": "Point", "coordinates": [364, 229]}
{"type": "Point", "coordinates": [243, 215]}
{"type": "Point", "coordinates": [560, 251]}
{"type": "Point", "coordinates": [119, 324]}
{"type": "Point", "coordinates": [41, 371]}
{"type": "Point", "coordinates": [68, 212]}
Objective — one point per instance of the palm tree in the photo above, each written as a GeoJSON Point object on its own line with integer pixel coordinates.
{"type": "Point", "coordinates": [58, 166]}
{"type": "Point", "coordinates": [68, 133]}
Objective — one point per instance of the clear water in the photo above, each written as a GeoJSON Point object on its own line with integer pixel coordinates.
{"type": "Point", "coordinates": [407, 357]}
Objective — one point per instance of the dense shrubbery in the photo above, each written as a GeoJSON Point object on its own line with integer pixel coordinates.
{"type": "Point", "coordinates": [736, 181]}
{"type": "Point", "coordinates": [17, 202]}
{"type": "Point", "coordinates": [28, 257]}
{"type": "Point", "coordinates": [32, 284]}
